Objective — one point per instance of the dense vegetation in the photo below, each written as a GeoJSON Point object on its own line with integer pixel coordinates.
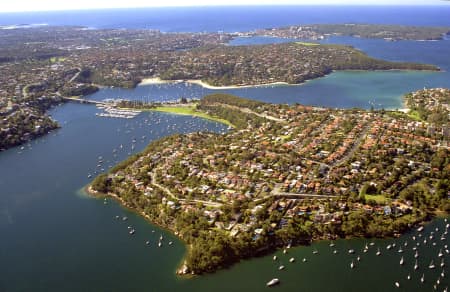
{"type": "Point", "coordinates": [387, 199]}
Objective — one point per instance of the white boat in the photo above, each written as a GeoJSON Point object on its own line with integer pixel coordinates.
{"type": "Point", "coordinates": [315, 251]}
{"type": "Point", "coordinates": [416, 255]}
{"type": "Point", "coordinates": [304, 260]}
{"type": "Point", "coordinates": [273, 282]}
{"type": "Point", "coordinates": [408, 277]}
{"type": "Point", "coordinates": [274, 257]}
{"type": "Point", "coordinates": [422, 279]}
{"type": "Point", "coordinates": [281, 267]}
{"type": "Point", "coordinates": [352, 265]}
{"type": "Point", "coordinates": [397, 284]}
{"type": "Point", "coordinates": [400, 250]}
{"type": "Point", "coordinates": [388, 247]}
{"type": "Point", "coordinates": [291, 260]}
{"type": "Point", "coordinates": [431, 265]}
{"type": "Point", "coordinates": [440, 254]}
{"type": "Point", "coordinates": [351, 251]}
{"type": "Point", "coordinates": [159, 244]}
{"type": "Point", "coordinates": [378, 252]}
{"type": "Point", "coordinates": [420, 229]}
{"type": "Point", "coordinates": [401, 261]}
{"type": "Point", "coordinates": [332, 244]}
{"type": "Point", "coordinates": [442, 263]}
{"type": "Point", "coordinates": [416, 266]}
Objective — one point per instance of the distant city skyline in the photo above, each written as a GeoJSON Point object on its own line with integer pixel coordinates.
{"type": "Point", "coordinates": [48, 5]}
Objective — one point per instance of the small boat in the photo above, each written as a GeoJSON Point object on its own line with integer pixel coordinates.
{"type": "Point", "coordinates": [440, 254]}
{"type": "Point", "coordinates": [416, 266]}
{"type": "Point", "coordinates": [352, 265]}
{"type": "Point", "coordinates": [378, 252]}
{"type": "Point", "coordinates": [159, 244]}
{"type": "Point", "coordinates": [281, 267]}
{"type": "Point", "coordinates": [351, 251]}
{"type": "Point", "coordinates": [431, 265]}
{"type": "Point", "coordinates": [408, 277]}
{"type": "Point", "coordinates": [401, 261]}
{"type": "Point", "coordinates": [442, 263]}
{"type": "Point", "coordinates": [372, 243]}
{"type": "Point", "coordinates": [420, 229]}
{"type": "Point", "coordinates": [358, 258]}
{"type": "Point", "coordinates": [388, 247]}
{"type": "Point", "coordinates": [273, 282]}
{"type": "Point", "coordinates": [442, 274]}
{"type": "Point", "coordinates": [416, 255]}
{"type": "Point", "coordinates": [124, 218]}
{"type": "Point", "coordinates": [304, 260]}
{"type": "Point", "coordinates": [400, 250]}
{"type": "Point", "coordinates": [315, 251]}
{"type": "Point", "coordinates": [335, 251]}
{"type": "Point", "coordinates": [397, 284]}
{"type": "Point", "coordinates": [89, 175]}
{"type": "Point", "coordinates": [332, 244]}
{"type": "Point", "coordinates": [291, 260]}
{"type": "Point", "coordinates": [284, 251]}
{"type": "Point", "coordinates": [274, 257]}
{"type": "Point", "coordinates": [170, 242]}
{"type": "Point", "coordinates": [131, 232]}
{"type": "Point", "coordinates": [147, 242]}
{"type": "Point", "coordinates": [422, 279]}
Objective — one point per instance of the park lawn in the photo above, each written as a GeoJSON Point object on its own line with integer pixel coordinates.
{"type": "Point", "coordinates": [190, 111]}
{"type": "Point", "coordinates": [380, 199]}
{"type": "Point", "coordinates": [307, 44]}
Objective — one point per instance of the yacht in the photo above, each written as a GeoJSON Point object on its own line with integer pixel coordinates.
{"type": "Point", "coordinates": [431, 265]}
{"type": "Point", "coordinates": [273, 282]}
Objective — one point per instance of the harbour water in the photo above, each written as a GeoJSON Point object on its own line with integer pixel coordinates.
{"type": "Point", "coordinates": [55, 238]}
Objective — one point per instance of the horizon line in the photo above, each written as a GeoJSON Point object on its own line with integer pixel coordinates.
{"type": "Point", "coordinates": [222, 5]}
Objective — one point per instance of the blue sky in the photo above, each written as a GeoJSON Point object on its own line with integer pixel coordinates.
{"type": "Point", "coordinates": [35, 5]}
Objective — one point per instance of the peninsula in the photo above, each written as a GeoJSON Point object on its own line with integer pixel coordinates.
{"type": "Point", "coordinates": [41, 65]}
{"type": "Point", "coordinates": [286, 175]}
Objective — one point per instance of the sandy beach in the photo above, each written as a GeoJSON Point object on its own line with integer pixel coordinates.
{"type": "Point", "coordinates": [157, 80]}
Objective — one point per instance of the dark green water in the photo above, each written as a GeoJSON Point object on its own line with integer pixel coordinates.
{"type": "Point", "coordinates": [53, 238]}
